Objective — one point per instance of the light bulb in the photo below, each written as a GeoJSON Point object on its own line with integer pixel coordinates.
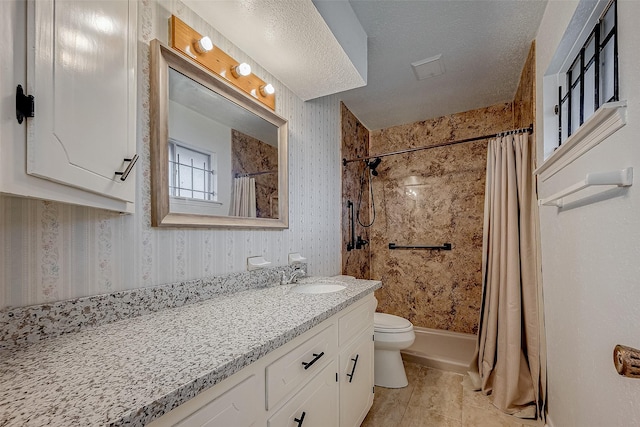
{"type": "Point", "coordinates": [267, 89]}
{"type": "Point", "coordinates": [204, 45]}
{"type": "Point", "coordinates": [243, 69]}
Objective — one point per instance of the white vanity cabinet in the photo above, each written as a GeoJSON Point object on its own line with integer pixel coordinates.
{"type": "Point", "coordinates": [81, 70]}
{"type": "Point", "coordinates": [303, 383]}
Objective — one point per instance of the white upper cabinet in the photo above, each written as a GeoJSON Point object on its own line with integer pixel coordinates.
{"type": "Point", "coordinates": [81, 65]}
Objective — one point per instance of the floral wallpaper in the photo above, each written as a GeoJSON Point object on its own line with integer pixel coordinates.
{"type": "Point", "coordinates": [54, 251]}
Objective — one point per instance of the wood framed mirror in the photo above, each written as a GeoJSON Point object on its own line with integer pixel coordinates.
{"type": "Point", "coordinates": [218, 157]}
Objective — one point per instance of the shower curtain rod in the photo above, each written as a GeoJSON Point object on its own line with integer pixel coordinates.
{"type": "Point", "coordinates": [238, 175]}
{"type": "Point", "coordinates": [443, 144]}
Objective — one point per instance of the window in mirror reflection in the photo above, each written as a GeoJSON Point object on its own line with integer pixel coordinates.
{"type": "Point", "coordinates": [217, 134]}
{"type": "Point", "coordinates": [191, 172]}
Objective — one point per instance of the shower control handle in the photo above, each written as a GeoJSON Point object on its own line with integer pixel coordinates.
{"type": "Point", "coordinates": [360, 242]}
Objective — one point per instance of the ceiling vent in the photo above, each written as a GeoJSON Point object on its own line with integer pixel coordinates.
{"type": "Point", "coordinates": [429, 67]}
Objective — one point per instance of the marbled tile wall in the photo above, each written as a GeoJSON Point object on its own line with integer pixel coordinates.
{"type": "Point", "coordinates": [355, 143]}
{"type": "Point", "coordinates": [432, 197]}
{"type": "Point", "coordinates": [525, 98]}
{"type": "Point", "coordinates": [250, 155]}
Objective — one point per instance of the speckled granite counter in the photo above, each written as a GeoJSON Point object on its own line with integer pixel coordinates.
{"type": "Point", "coordinates": [132, 371]}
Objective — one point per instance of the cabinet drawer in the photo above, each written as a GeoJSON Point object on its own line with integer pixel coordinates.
{"type": "Point", "coordinates": [239, 406]}
{"type": "Point", "coordinates": [355, 321]}
{"type": "Point", "coordinates": [316, 404]}
{"type": "Point", "coordinates": [299, 365]}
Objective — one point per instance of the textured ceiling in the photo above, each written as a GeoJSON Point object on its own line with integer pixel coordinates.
{"type": "Point", "coordinates": [289, 38]}
{"type": "Point", "coordinates": [483, 43]}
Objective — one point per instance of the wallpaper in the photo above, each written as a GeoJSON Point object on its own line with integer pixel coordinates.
{"type": "Point", "coordinates": [54, 251]}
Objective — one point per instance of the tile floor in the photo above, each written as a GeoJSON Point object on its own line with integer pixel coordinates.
{"type": "Point", "coordinates": [436, 398]}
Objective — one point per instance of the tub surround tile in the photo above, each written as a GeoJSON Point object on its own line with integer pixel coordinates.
{"type": "Point", "coordinates": [433, 197]}
{"type": "Point", "coordinates": [33, 323]}
{"type": "Point", "coordinates": [355, 143]}
{"type": "Point", "coordinates": [250, 155]}
{"type": "Point", "coordinates": [132, 371]}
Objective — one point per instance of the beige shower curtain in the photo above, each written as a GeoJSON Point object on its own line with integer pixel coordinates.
{"type": "Point", "coordinates": [244, 197]}
{"type": "Point", "coordinates": [510, 362]}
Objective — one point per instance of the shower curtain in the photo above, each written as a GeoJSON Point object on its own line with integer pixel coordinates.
{"type": "Point", "coordinates": [244, 197]}
{"type": "Point", "coordinates": [511, 363]}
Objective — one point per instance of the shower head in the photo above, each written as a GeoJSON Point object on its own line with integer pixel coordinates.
{"type": "Point", "coordinates": [373, 165]}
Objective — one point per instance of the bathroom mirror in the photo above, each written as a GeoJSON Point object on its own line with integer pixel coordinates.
{"type": "Point", "coordinates": [218, 156]}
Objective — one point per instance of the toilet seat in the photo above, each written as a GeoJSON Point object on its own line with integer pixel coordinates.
{"type": "Point", "coordinates": [388, 323]}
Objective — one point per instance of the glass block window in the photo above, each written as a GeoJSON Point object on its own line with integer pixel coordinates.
{"type": "Point", "coordinates": [592, 77]}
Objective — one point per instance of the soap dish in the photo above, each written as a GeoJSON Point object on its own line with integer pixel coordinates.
{"type": "Point", "coordinates": [296, 258]}
{"type": "Point", "coordinates": [257, 262]}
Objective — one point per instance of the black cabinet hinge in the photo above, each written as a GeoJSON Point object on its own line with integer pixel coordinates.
{"type": "Point", "coordinates": [25, 105]}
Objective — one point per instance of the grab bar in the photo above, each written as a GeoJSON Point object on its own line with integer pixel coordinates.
{"type": "Point", "coordinates": [621, 178]}
{"type": "Point", "coordinates": [351, 244]}
{"type": "Point", "coordinates": [444, 247]}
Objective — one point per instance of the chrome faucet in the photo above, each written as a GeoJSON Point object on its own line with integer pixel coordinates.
{"type": "Point", "coordinates": [295, 275]}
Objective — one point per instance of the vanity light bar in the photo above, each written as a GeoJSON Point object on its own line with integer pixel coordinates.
{"type": "Point", "coordinates": [194, 45]}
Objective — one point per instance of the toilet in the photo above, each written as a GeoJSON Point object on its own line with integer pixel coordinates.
{"type": "Point", "coordinates": [391, 334]}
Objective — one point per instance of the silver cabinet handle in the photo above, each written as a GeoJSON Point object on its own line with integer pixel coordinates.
{"type": "Point", "coordinates": [132, 161]}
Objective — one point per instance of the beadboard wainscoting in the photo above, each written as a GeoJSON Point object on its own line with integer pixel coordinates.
{"type": "Point", "coordinates": [53, 251]}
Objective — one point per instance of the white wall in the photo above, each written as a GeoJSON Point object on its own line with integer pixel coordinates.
{"type": "Point", "coordinates": [591, 254]}
{"type": "Point", "coordinates": [53, 251]}
{"type": "Point", "coordinates": [198, 131]}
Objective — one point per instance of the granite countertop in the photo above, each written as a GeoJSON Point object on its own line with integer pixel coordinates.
{"type": "Point", "coordinates": [132, 371]}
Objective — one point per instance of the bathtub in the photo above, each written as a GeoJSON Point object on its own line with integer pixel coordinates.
{"type": "Point", "coordinates": [449, 351]}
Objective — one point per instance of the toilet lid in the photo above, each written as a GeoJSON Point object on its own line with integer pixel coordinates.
{"type": "Point", "coordinates": [383, 322]}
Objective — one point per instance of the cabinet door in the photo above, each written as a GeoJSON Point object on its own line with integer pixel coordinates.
{"type": "Point", "coordinates": [356, 379]}
{"type": "Point", "coordinates": [81, 71]}
{"type": "Point", "coordinates": [316, 405]}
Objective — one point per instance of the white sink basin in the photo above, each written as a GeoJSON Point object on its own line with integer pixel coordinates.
{"type": "Point", "coordinates": [317, 288]}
